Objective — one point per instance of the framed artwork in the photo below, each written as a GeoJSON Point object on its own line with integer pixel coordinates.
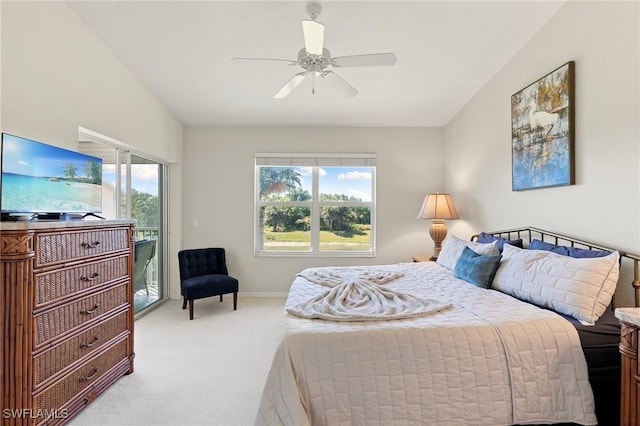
{"type": "Point", "coordinates": [542, 135]}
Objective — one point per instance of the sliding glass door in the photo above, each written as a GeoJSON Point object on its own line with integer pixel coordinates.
{"type": "Point", "coordinates": [145, 199]}
{"type": "Point", "coordinates": [133, 187]}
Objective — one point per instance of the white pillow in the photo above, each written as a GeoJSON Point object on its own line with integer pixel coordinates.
{"type": "Point", "coordinates": [581, 288]}
{"type": "Point", "coordinates": [452, 249]}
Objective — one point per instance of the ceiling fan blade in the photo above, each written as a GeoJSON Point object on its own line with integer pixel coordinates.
{"type": "Point", "coordinates": [372, 59]}
{"type": "Point", "coordinates": [291, 61]}
{"type": "Point", "coordinates": [290, 85]}
{"type": "Point", "coordinates": [313, 37]}
{"type": "Point", "coordinates": [339, 84]}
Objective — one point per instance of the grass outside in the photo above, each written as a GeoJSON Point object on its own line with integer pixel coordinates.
{"type": "Point", "coordinates": [299, 240]}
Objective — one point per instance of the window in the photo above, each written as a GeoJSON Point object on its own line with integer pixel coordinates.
{"type": "Point", "coordinates": [315, 204]}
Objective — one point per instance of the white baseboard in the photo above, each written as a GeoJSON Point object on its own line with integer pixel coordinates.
{"type": "Point", "coordinates": [259, 294]}
{"type": "Point", "coordinates": [249, 294]}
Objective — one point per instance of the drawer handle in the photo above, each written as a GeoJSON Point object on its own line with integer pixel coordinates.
{"type": "Point", "coordinates": [88, 345]}
{"type": "Point", "coordinates": [91, 245]}
{"type": "Point", "coordinates": [90, 311]}
{"type": "Point", "coordinates": [91, 376]}
{"type": "Point", "coordinates": [91, 278]}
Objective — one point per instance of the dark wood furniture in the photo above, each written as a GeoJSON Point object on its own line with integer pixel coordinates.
{"type": "Point", "coordinates": [630, 385]}
{"type": "Point", "coordinates": [67, 319]}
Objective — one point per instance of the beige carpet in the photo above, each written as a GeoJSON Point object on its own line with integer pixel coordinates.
{"type": "Point", "coordinates": [209, 371]}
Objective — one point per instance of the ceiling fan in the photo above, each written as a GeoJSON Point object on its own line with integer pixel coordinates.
{"type": "Point", "coordinates": [314, 59]}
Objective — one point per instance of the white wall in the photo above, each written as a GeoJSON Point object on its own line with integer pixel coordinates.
{"type": "Point", "coordinates": [219, 192]}
{"type": "Point", "coordinates": [604, 205]}
{"type": "Point", "coordinates": [57, 76]}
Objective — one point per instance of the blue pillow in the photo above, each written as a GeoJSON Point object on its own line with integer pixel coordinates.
{"type": "Point", "coordinates": [488, 238]}
{"type": "Point", "coordinates": [567, 250]}
{"type": "Point", "coordinates": [476, 269]}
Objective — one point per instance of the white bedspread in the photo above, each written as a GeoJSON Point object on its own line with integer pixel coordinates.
{"type": "Point", "coordinates": [356, 295]}
{"type": "Point", "coordinates": [488, 360]}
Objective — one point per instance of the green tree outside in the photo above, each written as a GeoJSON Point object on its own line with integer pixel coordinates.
{"type": "Point", "coordinates": [144, 208]}
{"type": "Point", "coordinates": [284, 184]}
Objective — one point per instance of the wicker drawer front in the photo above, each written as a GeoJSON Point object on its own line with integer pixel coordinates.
{"type": "Point", "coordinates": [55, 359]}
{"type": "Point", "coordinates": [71, 385]}
{"type": "Point", "coordinates": [68, 245]}
{"type": "Point", "coordinates": [53, 322]}
{"type": "Point", "coordinates": [53, 285]}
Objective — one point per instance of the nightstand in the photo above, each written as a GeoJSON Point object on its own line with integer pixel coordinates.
{"type": "Point", "coordinates": [630, 381]}
{"type": "Point", "coordinates": [421, 259]}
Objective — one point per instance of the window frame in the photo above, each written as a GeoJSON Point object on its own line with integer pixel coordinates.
{"type": "Point", "coordinates": [315, 162]}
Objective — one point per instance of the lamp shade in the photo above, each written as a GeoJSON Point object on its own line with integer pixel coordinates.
{"type": "Point", "coordinates": [438, 206]}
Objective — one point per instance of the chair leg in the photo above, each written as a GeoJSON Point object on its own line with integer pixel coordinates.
{"type": "Point", "coordinates": [184, 303]}
{"type": "Point", "coordinates": [235, 300]}
{"type": "Point", "coordinates": [221, 298]}
{"type": "Point", "coordinates": [191, 309]}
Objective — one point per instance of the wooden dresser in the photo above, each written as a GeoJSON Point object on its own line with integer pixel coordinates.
{"type": "Point", "coordinates": [630, 396]}
{"type": "Point", "coordinates": [67, 316]}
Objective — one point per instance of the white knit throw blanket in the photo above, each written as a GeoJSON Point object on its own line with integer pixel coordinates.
{"type": "Point", "coordinates": [360, 297]}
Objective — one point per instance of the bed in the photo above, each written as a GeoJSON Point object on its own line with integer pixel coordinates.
{"type": "Point", "coordinates": [442, 350]}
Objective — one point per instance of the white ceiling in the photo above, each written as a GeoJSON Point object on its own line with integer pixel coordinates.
{"type": "Point", "coordinates": [446, 52]}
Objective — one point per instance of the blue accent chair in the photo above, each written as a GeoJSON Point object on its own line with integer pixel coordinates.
{"type": "Point", "coordinates": [203, 273]}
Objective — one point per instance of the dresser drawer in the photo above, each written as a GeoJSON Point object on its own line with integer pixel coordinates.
{"type": "Point", "coordinates": [54, 322]}
{"type": "Point", "coordinates": [48, 363]}
{"type": "Point", "coordinates": [50, 286]}
{"type": "Point", "coordinates": [64, 246]}
{"type": "Point", "coordinates": [56, 395]}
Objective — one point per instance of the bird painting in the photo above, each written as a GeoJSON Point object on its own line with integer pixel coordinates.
{"type": "Point", "coordinates": [541, 119]}
{"type": "Point", "coordinates": [542, 139]}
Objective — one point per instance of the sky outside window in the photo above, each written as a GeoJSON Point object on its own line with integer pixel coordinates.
{"type": "Point", "coordinates": [350, 181]}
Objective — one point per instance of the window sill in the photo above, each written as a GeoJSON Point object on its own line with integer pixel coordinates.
{"type": "Point", "coordinates": [315, 254]}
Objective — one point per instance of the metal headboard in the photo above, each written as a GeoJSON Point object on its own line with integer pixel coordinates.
{"type": "Point", "coordinates": [530, 233]}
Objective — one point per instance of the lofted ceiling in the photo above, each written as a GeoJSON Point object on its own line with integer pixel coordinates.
{"type": "Point", "coordinates": [446, 52]}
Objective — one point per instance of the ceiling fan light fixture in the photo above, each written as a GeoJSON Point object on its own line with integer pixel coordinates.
{"type": "Point", "coordinates": [314, 70]}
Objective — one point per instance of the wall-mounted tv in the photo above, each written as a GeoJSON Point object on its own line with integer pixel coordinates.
{"type": "Point", "coordinates": [41, 178]}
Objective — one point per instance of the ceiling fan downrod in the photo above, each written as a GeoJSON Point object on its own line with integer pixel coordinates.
{"type": "Point", "coordinates": [313, 9]}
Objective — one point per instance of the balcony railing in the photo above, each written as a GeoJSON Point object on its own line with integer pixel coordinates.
{"type": "Point", "coordinates": [149, 233]}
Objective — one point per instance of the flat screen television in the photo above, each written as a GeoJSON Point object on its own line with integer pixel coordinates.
{"type": "Point", "coordinates": [48, 180]}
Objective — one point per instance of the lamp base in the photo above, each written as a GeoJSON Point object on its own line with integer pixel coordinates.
{"type": "Point", "coordinates": [438, 232]}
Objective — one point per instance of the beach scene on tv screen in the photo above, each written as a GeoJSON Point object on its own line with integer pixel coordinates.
{"type": "Point", "coordinates": [37, 177]}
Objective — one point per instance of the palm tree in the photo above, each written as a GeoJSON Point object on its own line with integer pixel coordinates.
{"type": "Point", "coordinates": [330, 215]}
{"type": "Point", "coordinates": [299, 194]}
{"type": "Point", "coordinates": [276, 180]}
{"type": "Point", "coordinates": [275, 216]}
{"type": "Point", "coordinates": [69, 171]}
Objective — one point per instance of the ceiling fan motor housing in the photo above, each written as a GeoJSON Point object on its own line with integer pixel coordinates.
{"type": "Point", "coordinates": [308, 62]}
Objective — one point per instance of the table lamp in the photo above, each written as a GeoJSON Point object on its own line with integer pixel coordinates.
{"type": "Point", "coordinates": [438, 207]}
